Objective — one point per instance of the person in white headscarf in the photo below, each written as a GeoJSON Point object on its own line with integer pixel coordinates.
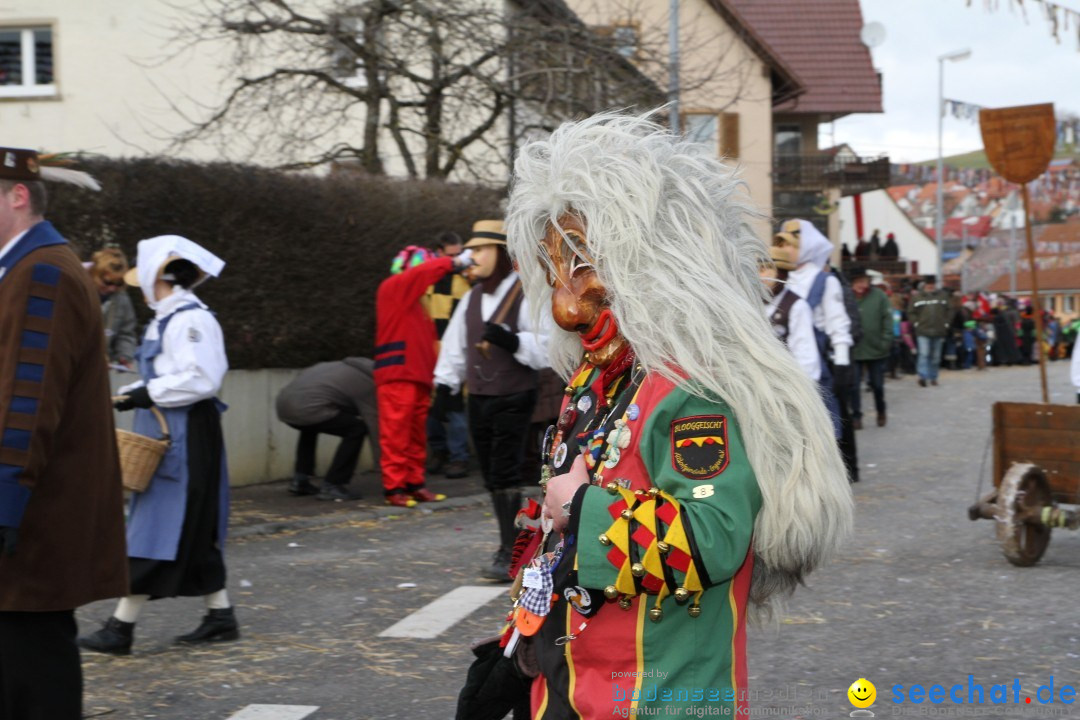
{"type": "Point", "coordinates": [176, 527]}
{"type": "Point", "coordinates": [813, 281]}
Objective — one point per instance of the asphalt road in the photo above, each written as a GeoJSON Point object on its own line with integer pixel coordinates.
{"type": "Point", "coordinates": [920, 596]}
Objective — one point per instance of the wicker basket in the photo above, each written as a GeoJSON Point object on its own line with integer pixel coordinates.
{"type": "Point", "coordinates": [141, 455]}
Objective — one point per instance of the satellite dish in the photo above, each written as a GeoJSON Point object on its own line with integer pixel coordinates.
{"type": "Point", "coordinates": [872, 34]}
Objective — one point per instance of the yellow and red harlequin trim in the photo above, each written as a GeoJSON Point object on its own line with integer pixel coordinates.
{"type": "Point", "coordinates": [667, 565]}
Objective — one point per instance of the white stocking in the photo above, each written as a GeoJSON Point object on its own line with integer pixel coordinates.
{"type": "Point", "coordinates": [218, 600]}
{"type": "Point", "coordinates": [128, 609]}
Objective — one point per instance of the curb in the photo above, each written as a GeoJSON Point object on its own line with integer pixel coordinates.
{"type": "Point", "coordinates": [369, 513]}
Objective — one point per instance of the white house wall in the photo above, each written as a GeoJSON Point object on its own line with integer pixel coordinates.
{"type": "Point", "coordinates": [880, 212]}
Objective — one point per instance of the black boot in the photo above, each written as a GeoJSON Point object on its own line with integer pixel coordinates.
{"type": "Point", "coordinates": [114, 638]}
{"type": "Point", "coordinates": [218, 625]}
{"type": "Point", "coordinates": [302, 485]}
{"type": "Point", "coordinates": [506, 504]}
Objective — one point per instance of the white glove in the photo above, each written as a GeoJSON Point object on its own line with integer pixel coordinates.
{"type": "Point", "coordinates": [464, 260]}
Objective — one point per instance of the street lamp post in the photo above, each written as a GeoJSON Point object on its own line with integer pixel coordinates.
{"type": "Point", "coordinates": [940, 220]}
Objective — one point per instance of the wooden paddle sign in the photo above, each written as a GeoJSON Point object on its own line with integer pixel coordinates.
{"type": "Point", "coordinates": [1019, 144]}
{"type": "Point", "coordinates": [1019, 141]}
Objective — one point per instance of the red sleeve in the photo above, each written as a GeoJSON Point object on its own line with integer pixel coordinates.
{"type": "Point", "coordinates": [410, 286]}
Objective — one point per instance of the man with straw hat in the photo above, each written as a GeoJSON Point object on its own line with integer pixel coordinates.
{"type": "Point", "coordinates": [492, 346]}
{"type": "Point", "coordinates": [61, 506]}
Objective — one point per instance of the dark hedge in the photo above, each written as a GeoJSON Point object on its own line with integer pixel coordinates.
{"type": "Point", "coordinates": [304, 254]}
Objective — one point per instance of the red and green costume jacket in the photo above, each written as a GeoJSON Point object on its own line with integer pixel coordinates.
{"type": "Point", "coordinates": [655, 573]}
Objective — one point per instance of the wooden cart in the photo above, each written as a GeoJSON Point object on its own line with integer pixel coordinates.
{"type": "Point", "coordinates": [1036, 472]}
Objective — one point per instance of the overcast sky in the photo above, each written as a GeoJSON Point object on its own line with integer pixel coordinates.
{"type": "Point", "coordinates": [1012, 63]}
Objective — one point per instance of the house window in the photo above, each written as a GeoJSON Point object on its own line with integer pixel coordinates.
{"type": "Point", "coordinates": [717, 130]}
{"type": "Point", "coordinates": [703, 128]}
{"type": "Point", "coordinates": [624, 38]}
{"type": "Point", "coordinates": [788, 140]}
{"type": "Point", "coordinates": [26, 62]}
{"type": "Point", "coordinates": [348, 67]}
{"type": "Point", "coordinates": [1070, 305]}
{"type": "Point", "coordinates": [1048, 303]}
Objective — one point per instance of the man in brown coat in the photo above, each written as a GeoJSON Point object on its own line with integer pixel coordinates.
{"type": "Point", "coordinates": [61, 505]}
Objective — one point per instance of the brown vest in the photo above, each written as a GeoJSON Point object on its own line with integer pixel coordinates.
{"type": "Point", "coordinates": [499, 374]}
{"type": "Point", "coordinates": [781, 314]}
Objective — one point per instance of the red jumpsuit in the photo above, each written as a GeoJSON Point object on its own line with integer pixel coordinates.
{"type": "Point", "coordinates": [405, 354]}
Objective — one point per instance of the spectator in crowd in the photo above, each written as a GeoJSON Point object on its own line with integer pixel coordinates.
{"type": "Point", "coordinates": [492, 345]}
{"type": "Point", "coordinates": [335, 398]}
{"type": "Point", "coordinates": [1074, 371]}
{"type": "Point", "coordinates": [448, 443]}
{"type": "Point", "coordinates": [1027, 335]}
{"type": "Point", "coordinates": [862, 250]}
{"type": "Point", "coordinates": [107, 268]}
{"type": "Point", "coordinates": [872, 351]}
{"type": "Point", "coordinates": [890, 250]}
{"type": "Point", "coordinates": [176, 527]}
{"type": "Point", "coordinates": [929, 315]}
{"type": "Point", "coordinates": [875, 245]}
{"type": "Point", "coordinates": [1004, 348]}
{"type": "Point", "coordinates": [61, 503]}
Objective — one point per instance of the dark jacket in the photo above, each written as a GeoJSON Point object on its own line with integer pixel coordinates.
{"type": "Point", "coordinates": [875, 314]}
{"type": "Point", "coordinates": [120, 327]}
{"type": "Point", "coordinates": [59, 466]}
{"type": "Point", "coordinates": [322, 391]}
{"type": "Point", "coordinates": [930, 313]}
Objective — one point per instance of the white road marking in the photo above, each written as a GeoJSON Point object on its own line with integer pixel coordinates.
{"type": "Point", "coordinates": [275, 712]}
{"type": "Point", "coordinates": [439, 615]}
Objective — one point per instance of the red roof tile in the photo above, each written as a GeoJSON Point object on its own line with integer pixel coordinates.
{"type": "Point", "coordinates": [819, 39]}
{"type": "Point", "coordinates": [1056, 279]}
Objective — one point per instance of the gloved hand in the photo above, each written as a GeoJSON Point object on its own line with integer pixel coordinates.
{"type": "Point", "coordinates": [463, 260]}
{"type": "Point", "coordinates": [137, 398]}
{"type": "Point", "coordinates": [500, 336]}
{"type": "Point", "coordinates": [9, 537]}
{"type": "Point", "coordinates": [843, 377]}
{"type": "Point", "coordinates": [439, 407]}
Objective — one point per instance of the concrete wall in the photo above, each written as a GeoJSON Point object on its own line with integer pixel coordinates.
{"type": "Point", "coordinates": [259, 447]}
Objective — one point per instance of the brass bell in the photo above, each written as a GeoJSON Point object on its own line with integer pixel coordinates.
{"type": "Point", "coordinates": [626, 514]}
{"type": "Point", "coordinates": [694, 610]}
{"type": "Point", "coordinates": [681, 595]}
{"type": "Point", "coordinates": [604, 539]}
{"type": "Point", "coordinates": [613, 488]}
{"type": "Point", "coordinates": [654, 491]}
{"type": "Point", "coordinates": [624, 602]}
{"type": "Point", "coordinates": [610, 592]}
{"type": "Point", "coordinates": [663, 547]}
{"type": "Point", "coordinates": [637, 570]}
{"type": "Point", "coordinates": [656, 614]}
{"type": "Point", "coordinates": [568, 391]}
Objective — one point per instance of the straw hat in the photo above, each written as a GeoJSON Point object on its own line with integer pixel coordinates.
{"type": "Point", "coordinates": [487, 232]}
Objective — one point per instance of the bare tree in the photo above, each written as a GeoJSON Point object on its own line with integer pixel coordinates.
{"type": "Point", "coordinates": [427, 88]}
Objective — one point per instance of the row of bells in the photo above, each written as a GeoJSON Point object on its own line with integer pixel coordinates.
{"type": "Point", "coordinates": [656, 614]}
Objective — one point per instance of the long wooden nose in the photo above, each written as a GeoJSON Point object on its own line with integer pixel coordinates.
{"type": "Point", "coordinates": [567, 311]}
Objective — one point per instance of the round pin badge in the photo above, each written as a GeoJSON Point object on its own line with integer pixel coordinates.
{"type": "Point", "coordinates": [633, 411]}
{"type": "Point", "coordinates": [584, 404]}
{"type": "Point", "coordinates": [560, 455]}
{"type": "Point", "coordinates": [613, 457]}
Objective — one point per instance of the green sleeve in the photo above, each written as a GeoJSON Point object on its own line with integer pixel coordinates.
{"type": "Point", "coordinates": [718, 511]}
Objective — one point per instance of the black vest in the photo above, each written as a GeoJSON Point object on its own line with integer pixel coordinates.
{"type": "Point", "coordinates": [499, 374]}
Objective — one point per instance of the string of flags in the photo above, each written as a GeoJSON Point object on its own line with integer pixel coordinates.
{"type": "Point", "coordinates": [961, 110]}
{"type": "Point", "coordinates": [1068, 129]}
{"type": "Point", "coordinates": [1062, 20]}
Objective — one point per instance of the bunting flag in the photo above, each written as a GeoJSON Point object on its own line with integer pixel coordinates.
{"type": "Point", "coordinates": [1062, 19]}
{"type": "Point", "coordinates": [961, 110]}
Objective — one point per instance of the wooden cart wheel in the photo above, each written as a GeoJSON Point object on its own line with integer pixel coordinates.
{"type": "Point", "coordinates": [1024, 487]}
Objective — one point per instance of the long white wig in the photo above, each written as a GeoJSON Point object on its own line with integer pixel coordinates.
{"type": "Point", "coordinates": [667, 230]}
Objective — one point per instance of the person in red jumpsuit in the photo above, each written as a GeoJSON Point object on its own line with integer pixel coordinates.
{"type": "Point", "coordinates": [405, 353]}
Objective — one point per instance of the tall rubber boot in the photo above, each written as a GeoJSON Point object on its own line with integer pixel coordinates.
{"type": "Point", "coordinates": [506, 504]}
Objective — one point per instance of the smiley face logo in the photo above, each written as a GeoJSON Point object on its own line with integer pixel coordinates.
{"type": "Point", "coordinates": [862, 693]}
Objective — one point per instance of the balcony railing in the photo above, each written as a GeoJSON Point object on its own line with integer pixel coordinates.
{"type": "Point", "coordinates": [852, 175]}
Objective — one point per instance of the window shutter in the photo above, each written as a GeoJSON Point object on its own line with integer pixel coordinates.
{"type": "Point", "coordinates": [729, 135]}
